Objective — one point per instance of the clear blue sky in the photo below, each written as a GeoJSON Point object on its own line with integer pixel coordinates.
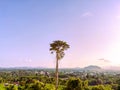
{"type": "Point", "coordinates": [91, 27]}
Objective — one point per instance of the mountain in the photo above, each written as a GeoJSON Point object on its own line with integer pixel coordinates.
{"type": "Point", "coordinates": [92, 67]}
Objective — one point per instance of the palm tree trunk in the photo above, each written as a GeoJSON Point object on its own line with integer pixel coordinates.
{"type": "Point", "coordinates": [56, 74]}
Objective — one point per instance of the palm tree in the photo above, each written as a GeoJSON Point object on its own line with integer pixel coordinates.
{"type": "Point", "coordinates": [58, 47]}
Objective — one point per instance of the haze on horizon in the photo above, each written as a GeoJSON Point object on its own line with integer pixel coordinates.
{"type": "Point", "coordinates": [90, 27]}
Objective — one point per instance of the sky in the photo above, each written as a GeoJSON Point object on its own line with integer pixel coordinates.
{"type": "Point", "coordinates": [90, 27]}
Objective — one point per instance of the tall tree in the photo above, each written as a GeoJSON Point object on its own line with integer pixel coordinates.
{"type": "Point", "coordinates": [58, 47]}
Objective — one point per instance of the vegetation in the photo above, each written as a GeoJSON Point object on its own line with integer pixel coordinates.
{"type": "Point", "coordinates": [69, 79]}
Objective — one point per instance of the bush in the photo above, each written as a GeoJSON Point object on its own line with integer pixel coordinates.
{"type": "Point", "coordinates": [74, 84]}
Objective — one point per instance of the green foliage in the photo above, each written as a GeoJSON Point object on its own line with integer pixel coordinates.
{"type": "Point", "coordinates": [74, 84]}
{"type": "Point", "coordinates": [118, 88]}
{"type": "Point", "coordinates": [98, 87]}
{"type": "Point", "coordinates": [101, 87]}
{"type": "Point", "coordinates": [114, 86]}
{"type": "Point", "coordinates": [36, 86]}
{"type": "Point", "coordinates": [85, 84]}
{"type": "Point", "coordinates": [59, 47]}
{"type": "Point", "coordinates": [11, 87]}
{"type": "Point", "coordinates": [118, 82]}
{"type": "Point", "coordinates": [49, 87]}
{"type": "Point", "coordinates": [29, 81]}
{"type": "Point", "coordinates": [2, 87]}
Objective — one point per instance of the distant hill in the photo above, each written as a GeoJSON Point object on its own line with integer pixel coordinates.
{"type": "Point", "coordinates": [92, 67]}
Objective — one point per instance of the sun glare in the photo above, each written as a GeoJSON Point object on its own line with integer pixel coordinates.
{"type": "Point", "coordinates": [114, 54]}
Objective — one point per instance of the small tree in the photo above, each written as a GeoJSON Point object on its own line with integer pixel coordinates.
{"type": "Point", "coordinates": [74, 84]}
{"type": "Point", "coordinates": [58, 47]}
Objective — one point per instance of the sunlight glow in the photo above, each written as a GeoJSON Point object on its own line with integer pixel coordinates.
{"type": "Point", "coordinates": [114, 54]}
{"type": "Point", "coordinates": [114, 49]}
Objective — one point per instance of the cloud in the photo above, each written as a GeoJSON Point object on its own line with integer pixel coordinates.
{"type": "Point", "coordinates": [87, 14]}
{"type": "Point", "coordinates": [104, 60]}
